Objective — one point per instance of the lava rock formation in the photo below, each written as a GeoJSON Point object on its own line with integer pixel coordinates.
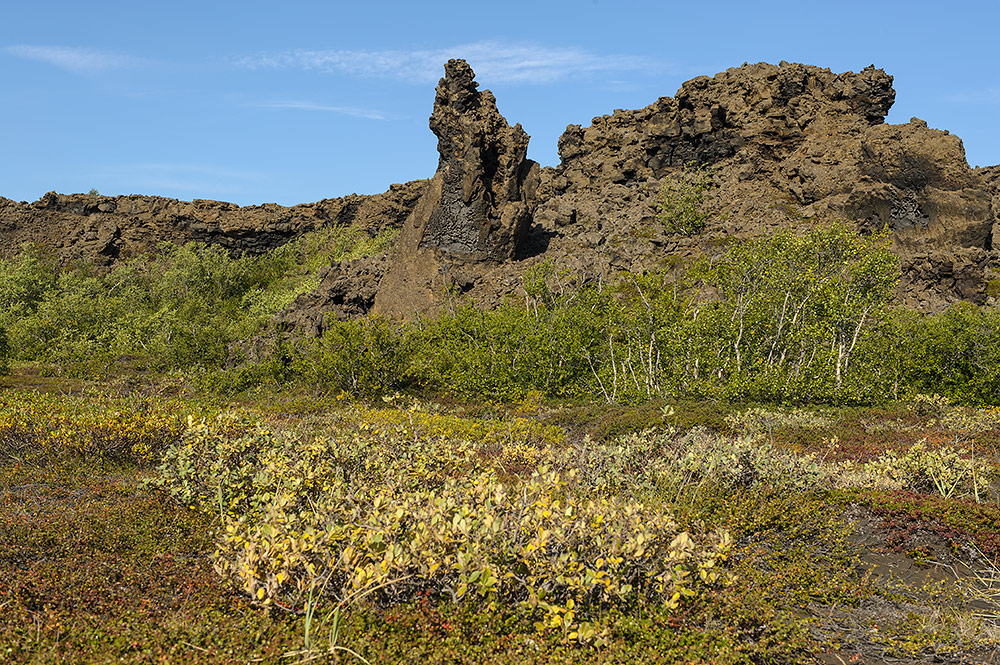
{"type": "Point", "coordinates": [789, 146]}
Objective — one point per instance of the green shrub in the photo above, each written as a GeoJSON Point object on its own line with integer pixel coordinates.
{"type": "Point", "coordinates": [947, 471]}
{"type": "Point", "coordinates": [955, 353]}
{"type": "Point", "coordinates": [759, 421]}
{"type": "Point", "coordinates": [25, 280]}
{"type": "Point", "coordinates": [547, 343]}
{"type": "Point", "coordinates": [363, 357]}
{"type": "Point", "coordinates": [651, 459]}
{"type": "Point", "coordinates": [793, 314]}
{"type": "Point", "coordinates": [682, 199]}
{"type": "Point", "coordinates": [180, 307]}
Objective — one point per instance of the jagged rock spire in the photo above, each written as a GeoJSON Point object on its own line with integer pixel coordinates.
{"type": "Point", "coordinates": [479, 205]}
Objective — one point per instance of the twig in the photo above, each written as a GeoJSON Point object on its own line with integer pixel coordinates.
{"type": "Point", "coordinates": [188, 644]}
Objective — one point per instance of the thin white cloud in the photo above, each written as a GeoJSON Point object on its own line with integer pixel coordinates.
{"type": "Point", "coordinates": [74, 59]}
{"type": "Point", "coordinates": [492, 61]}
{"type": "Point", "coordinates": [984, 96]}
{"type": "Point", "coordinates": [367, 114]}
{"type": "Point", "coordinates": [153, 177]}
{"type": "Point", "coordinates": [193, 169]}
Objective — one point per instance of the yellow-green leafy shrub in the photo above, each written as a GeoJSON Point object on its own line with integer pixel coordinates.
{"type": "Point", "coordinates": [758, 421]}
{"type": "Point", "coordinates": [965, 419]}
{"type": "Point", "coordinates": [681, 200]}
{"type": "Point", "coordinates": [929, 405]}
{"type": "Point", "coordinates": [419, 423]}
{"type": "Point", "coordinates": [744, 461]}
{"type": "Point", "coordinates": [4, 351]}
{"type": "Point", "coordinates": [647, 459]}
{"type": "Point", "coordinates": [630, 463]}
{"type": "Point", "coordinates": [385, 516]}
{"type": "Point", "coordinates": [534, 544]}
{"type": "Point", "coordinates": [947, 471]}
{"type": "Point", "coordinates": [38, 426]}
{"type": "Point", "coordinates": [367, 356]}
{"type": "Point", "coordinates": [241, 465]}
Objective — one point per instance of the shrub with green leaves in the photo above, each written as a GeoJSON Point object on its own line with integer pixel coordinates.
{"type": "Point", "coordinates": [759, 421]}
{"type": "Point", "coordinates": [682, 198]}
{"type": "Point", "coordinates": [954, 353]}
{"type": "Point", "coordinates": [547, 343]}
{"type": "Point", "coordinates": [367, 356]}
{"type": "Point", "coordinates": [651, 459]}
{"type": "Point", "coordinates": [535, 545]}
{"type": "Point", "coordinates": [793, 313]}
{"type": "Point", "coordinates": [948, 471]}
{"type": "Point", "coordinates": [176, 308]}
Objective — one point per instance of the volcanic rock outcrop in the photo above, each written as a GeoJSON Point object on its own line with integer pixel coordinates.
{"type": "Point", "coordinates": [473, 216]}
{"type": "Point", "coordinates": [104, 229]}
{"type": "Point", "coordinates": [478, 206]}
{"type": "Point", "coordinates": [991, 178]}
{"type": "Point", "coordinates": [788, 145]}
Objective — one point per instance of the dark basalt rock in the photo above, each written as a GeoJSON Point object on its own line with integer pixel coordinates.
{"type": "Point", "coordinates": [485, 177]}
{"type": "Point", "coordinates": [791, 145]}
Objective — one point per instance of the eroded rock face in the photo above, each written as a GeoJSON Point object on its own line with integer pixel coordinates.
{"type": "Point", "coordinates": [347, 291]}
{"type": "Point", "coordinates": [763, 110]}
{"type": "Point", "coordinates": [991, 179]}
{"type": "Point", "coordinates": [486, 180]}
{"type": "Point", "coordinates": [790, 145]}
{"type": "Point", "coordinates": [477, 208]}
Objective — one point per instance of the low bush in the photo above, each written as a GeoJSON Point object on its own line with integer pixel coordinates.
{"type": "Point", "coordinates": [955, 353]}
{"type": "Point", "coordinates": [948, 471]}
{"type": "Point", "coordinates": [181, 307]}
{"type": "Point", "coordinates": [367, 356]}
{"type": "Point", "coordinates": [391, 504]}
{"type": "Point", "coordinates": [387, 517]}
{"type": "Point", "coordinates": [782, 318]}
{"type": "Point", "coordinates": [654, 460]}
{"type": "Point", "coordinates": [41, 428]}
{"type": "Point", "coordinates": [681, 200]}
{"type": "Point", "coordinates": [759, 421]}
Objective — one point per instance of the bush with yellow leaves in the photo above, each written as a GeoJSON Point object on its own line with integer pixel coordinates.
{"type": "Point", "coordinates": [536, 545]}
{"type": "Point", "coordinates": [358, 514]}
{"type": "Point", "coordinates": [40, 427]}
{"type": "Point", "coordinates": [948, 471]}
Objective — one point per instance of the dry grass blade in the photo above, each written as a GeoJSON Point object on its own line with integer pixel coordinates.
{"type": "Point", "coordinates": [984, 587]}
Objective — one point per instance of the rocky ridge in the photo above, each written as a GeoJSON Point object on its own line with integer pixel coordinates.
{"type": "Point", "coordinates": [473, 217]}
{"type": "Point", "coordinates": [104, 229]}
{"type": "Point", "coordinates": [478, 207]}
{"type": "Point", "coordinates": [790, 145]}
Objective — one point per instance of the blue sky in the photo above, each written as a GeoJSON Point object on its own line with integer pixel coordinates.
{"type": "Point", "coordinates": [291, 102]}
